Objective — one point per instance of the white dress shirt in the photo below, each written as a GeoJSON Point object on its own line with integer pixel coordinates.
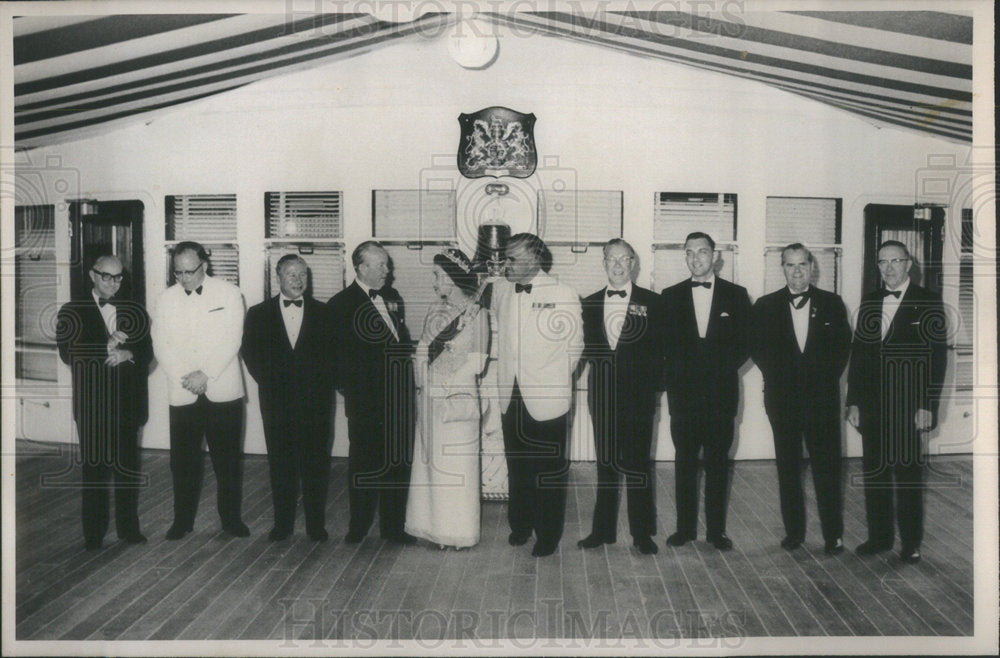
{"type": "Point", "coordinates": [380, 305]}
{"type": "Point", "coordinates": [292, 315]}
{"type": "Point", "coordinates": [702, 297]}
{"type": "Point", "coordinates": [108, 312]}
{"type": "Point", "coordinates": [615, 308]}
{"type": "Point", "coordinates": [890, 304]}
{"type": "Point", "coordinates": [800, 321]}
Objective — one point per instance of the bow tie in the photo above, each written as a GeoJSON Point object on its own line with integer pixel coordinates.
{"type": "Point", "coordinates": [289, 302]}
{"type": "Point", "coordinates": [616, 293]}
{"type": "Point", "coordinates": [798, 300]}
{"type": "Point", "coordinates": [703, 284]}
{"type": "Point", "coordinates": [197, 290]}
{"type": "Point", "coordinates": [372, 293]}
{"type": "Point", "coordinates": [102, 302]}
{"type": "Point", "coordinates": [526, 288]}
{"type": "Point", "coordinates": [894, 293]}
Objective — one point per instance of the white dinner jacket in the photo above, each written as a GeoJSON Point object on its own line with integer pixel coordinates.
{"type": "Point", "coordinates": [200, 332]}
{"type": "Point", "coordinates": [539, 341]}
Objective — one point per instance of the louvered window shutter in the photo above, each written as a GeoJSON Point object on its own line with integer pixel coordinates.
{"type": "Point", "coordinates": [421, 215]}
{"type": "Point", "coordinates": [964, 356]}
{"type": "Point", "coordinates": [575, 225]}
{"type": "Point", "coordinates": [675, 215]}
{"type": "Point", "coordinates": [303, 215]}
{"type": "Point", "coordinates": [814, 222]}
{"type": "Point", "coordinates": [35, 292]}
{"type": "Point", "coordinates": [209, 219]}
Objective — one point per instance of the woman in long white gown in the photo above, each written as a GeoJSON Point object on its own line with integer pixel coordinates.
{"type": "Point", "coordinates": [443, 503]}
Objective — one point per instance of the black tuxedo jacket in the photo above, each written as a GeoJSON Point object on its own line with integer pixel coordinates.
{"type": "Point", "coordinates": [801, 381]}
{"type": "Point", "coordinates": [630, 375]}
{"type": "Point", "coordinates": [905, 371]}
{"type": "Point", "coordinates": [367, 352]}
{"type": "Point", "coordinates": [703, 375]}
{"type": "Point", "coordinates": [300, 378]}
{"type": "Point", "coordinates": [82, 337]}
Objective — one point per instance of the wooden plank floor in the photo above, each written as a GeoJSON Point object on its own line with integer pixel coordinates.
{"type": "Point", "coordinates": [208, 586]}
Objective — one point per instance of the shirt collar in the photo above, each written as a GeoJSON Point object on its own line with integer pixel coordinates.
{"type": "Point", "coordinates": [902, 288]}
{"type": "Point", "coordinates": [97, 298]}
{"type": "Point", "coordinates": [627, 288]}
{"type": "Point", "coordinates": [711, 279]}
{"type": "Point", "coordinates": [364, 286]}
{"type": "Point", "coordinates": [283, 297]}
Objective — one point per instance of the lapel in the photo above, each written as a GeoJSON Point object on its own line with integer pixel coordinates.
{"type": "Point", "coordinates": [787, 325]}
{"type": "Point", "coordinates": [713, 311]}
{"type": "Point", "coordinates": [691, 319]}
{"type": "Point", "coordinates": [901, 318]}
{"type": "Point", "coordinates": [102, 332]}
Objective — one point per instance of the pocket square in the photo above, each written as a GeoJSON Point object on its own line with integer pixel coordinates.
{"type": "Point", "coordinates": [724, 314]}
{"type": "Point", "coordinates": [217, 308]}
{"type": "Point", "coordinates": [915, 322]}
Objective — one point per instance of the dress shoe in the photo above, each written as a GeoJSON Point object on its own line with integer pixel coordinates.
{"type": "Point", "coordinates": [910, 555]}
{"type": "Point", "coordinates": [835, 547]}
{"type": "Point", "coordinates": [646, 545]}
{"type": "Point", "coordinates": [318, 535]}
{"type": "Point", "coordinates": [277, 534]}
{"type": "Point", "coordinates": [354, 537]}
{"type": "Point", "coordinates": [401, 538]}
{"type": "Point", "coordinates": [721, 542]}
{"type": "Point", "coordinates": [134, 538]}
{"type": "Point", "coordinates": [790, 543]}
{"type": "Point", "coordinates": [679, 539]}
{"type": "Point", "coordinates": [237, 529]}
{"type": "Point", "coordinates": [592, 541]}
{"type": "Point", "coordinates": [177, 531]}
{"type": "Point", "coordinates": [518, 538]}
{"type": "Point", "coordinates": [541, 549]}
{"type": "Point", "coordinates": [871, 547]}
{"type": "Point", "coordinates": [92, 544]}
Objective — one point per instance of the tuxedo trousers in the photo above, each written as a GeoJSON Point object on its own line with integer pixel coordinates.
{"type": "Point", "coordinates": [712, 434]}
{"type": "Point", "coordinates": [537, 471]}
{"type": "Point", "coordinates": [378, 471]}
{"type": "Point", "coordinates": [109, 454]}
{"type": "Point", "coordinates": [623, 442]}
{"type": "Point", "coordinates": [821, 433]}
{"type": "Point", "coordinates": [893, 466]}
{"type": "Point", "coordinates": [220, 424]}
{"type": "Point", "coordinates": [298, 454]}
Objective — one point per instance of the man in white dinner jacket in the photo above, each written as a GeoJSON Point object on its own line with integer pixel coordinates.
{"type": "Point", "coordinates": [540, 340]}
{"type": "Point", "coordinates": [197, 332]}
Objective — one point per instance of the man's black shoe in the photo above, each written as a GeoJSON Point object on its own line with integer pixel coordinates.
{"type": "Point", "coordinates": [518, 538]}
{"type": "Point", "coordinates": [237, 529]}
{"type": "Point", "coordinates": [679, 539]}
{"type": "Point", "coordinates": [278, 535]}
{"type": "Point", "coordinates": [177, 531]}
{"type": "Point", "coordinates": [318, 535]}
{"type": "Point", "coordinates": [543, 549]}
{"type": "Point", "coordinates": [790, 543]}
{"type": "Point", "coordinates": [910, 555]}
{"type": "Point", "coordinates": [721, 542]}
{"type": "Point", "coordinates": [835, 547]}
{"type": "Point", "coordinates": [645, 545]}
{"type": "Point", "coordinates": [592, 541]}
{"type": "Point", "coordinates": [354, 537]}
{"type": "Point", "coordinates": [134, 538]}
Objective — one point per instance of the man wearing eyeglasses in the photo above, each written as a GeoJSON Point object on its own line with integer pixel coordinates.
{"type": "Point", "coordinates": [197, 331]}
{"type": "Point", "coordinates": [623, 326]}
{"type": "Point", "coordinates": [105, 341]}
{"type": "Point", "coordinates": [707, 341]}
{"type": "Point", "coordinates": [897, 366]}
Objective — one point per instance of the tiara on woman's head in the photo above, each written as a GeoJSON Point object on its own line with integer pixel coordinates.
{"type": "Point", "coordinates": [452, 255]}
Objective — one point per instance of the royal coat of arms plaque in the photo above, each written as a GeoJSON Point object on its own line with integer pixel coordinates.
{"type": "Point", "coordinates": [497, 141]}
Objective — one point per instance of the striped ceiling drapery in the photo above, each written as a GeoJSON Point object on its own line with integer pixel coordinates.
{"type": "Point", "coordinates": [77, 75]}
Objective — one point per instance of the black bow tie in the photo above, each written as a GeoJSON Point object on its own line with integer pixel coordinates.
{"type": "Point", "coordinates": [798, 300]}
{"type": "Point", "coordinates": [894, 293]}
{"type": "Point", "coordinates": [197, 290]}
{"type": "Point", "coordinates": [522, 288]}
{"type": "Point", "coordinates": [373, 293]}
{"type": "Point", "coordinates": [703, 284]}
{"type": "Point", "coordinates": [616, 293]}
{"type": "Point", "coordinates": [289, 302]}
{"type": "Point", "coordinates": [102, 302]}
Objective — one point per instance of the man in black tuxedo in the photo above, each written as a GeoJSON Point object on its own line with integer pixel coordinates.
{"type": "Point", "coordinates": [707, 340]}
{"type": "Point", "coordinates": [623, 328]}
{"type": "Point", "coordinates": [375, 373]}
{"type": "Point", "coordinates": [897, 366]}
{"type": "Point", "coordinates": [801, 339]}
{"type": "Point", "coordinates": [106, 343]}
{"type": "Point", "coordinates": [288, 349]}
